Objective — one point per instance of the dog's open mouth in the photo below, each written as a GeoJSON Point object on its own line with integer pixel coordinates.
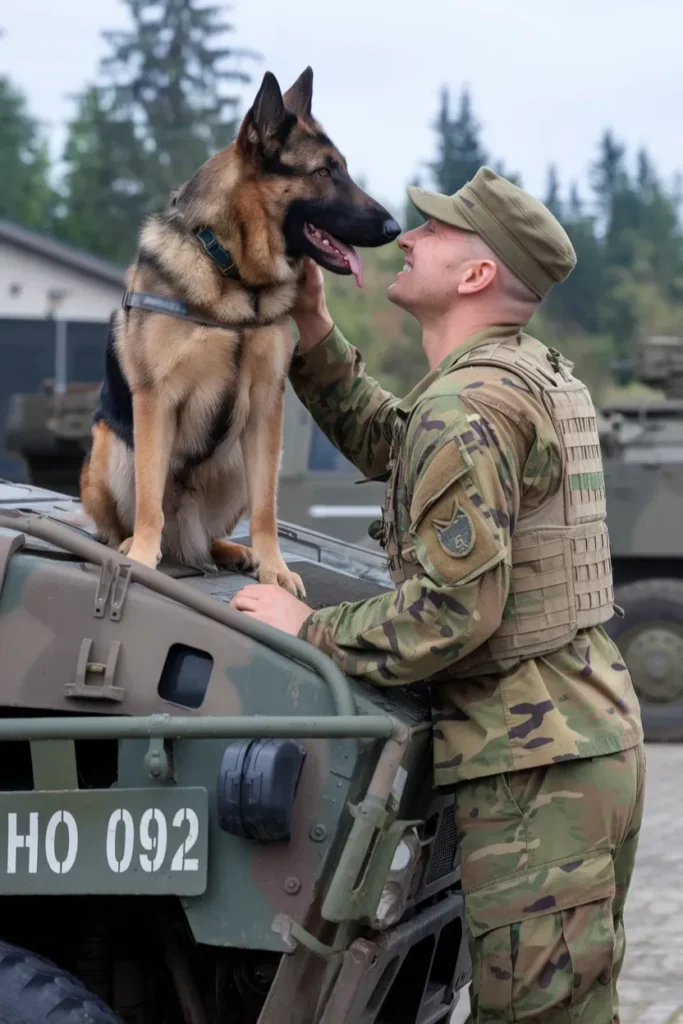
{"type": "Point", "coordinates": [336, 253]}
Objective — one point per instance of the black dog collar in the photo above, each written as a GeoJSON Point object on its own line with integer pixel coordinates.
{"type": "Point", "coordinates": [220, 256]}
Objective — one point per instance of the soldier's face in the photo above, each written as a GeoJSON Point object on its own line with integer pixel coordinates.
{"type": "Point", "coordinates": [437, 259]}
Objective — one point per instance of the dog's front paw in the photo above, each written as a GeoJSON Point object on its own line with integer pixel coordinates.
{"type": "Point", "coordinates": [144, 554]}
{"type": "Point", "coordinates": [283, 577]}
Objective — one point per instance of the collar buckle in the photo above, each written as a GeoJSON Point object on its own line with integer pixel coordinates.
{"type": "Point", "coordinates": [220, 256]}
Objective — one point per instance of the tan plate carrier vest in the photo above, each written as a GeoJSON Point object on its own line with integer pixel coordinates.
{"type": "Point", "coordinates": [561, 580]}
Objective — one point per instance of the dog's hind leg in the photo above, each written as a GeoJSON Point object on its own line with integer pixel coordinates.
{"type": "Point", "coordinates": [261, 447]}
{"type": "Point", "coordinates": [233, 556]}
{"type": "Point", "coordinates": [154, 429]}
{"type": "Point", "coordinates": [96, 497]}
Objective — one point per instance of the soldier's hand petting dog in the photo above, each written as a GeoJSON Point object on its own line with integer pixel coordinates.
{"type": "Point", "coordinates": [310, 313]}
{"type": "Point", "coordinates": [273, 605]}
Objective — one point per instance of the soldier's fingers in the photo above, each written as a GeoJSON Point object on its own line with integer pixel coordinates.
{"type": "Point", "coordinates": [243, 602]}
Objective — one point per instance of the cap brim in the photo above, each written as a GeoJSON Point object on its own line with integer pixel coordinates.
{"type": "Point", "coordinates": [438, 206]}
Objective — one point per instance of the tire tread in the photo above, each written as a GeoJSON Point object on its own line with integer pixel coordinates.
{"type": "Point", "coordinates": [33, 990]}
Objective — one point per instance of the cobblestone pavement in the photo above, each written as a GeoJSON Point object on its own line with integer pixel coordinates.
{"type": "Point", "coordinates": [651, 983]}
{"type": "Point", "coordinates": [651, 986]}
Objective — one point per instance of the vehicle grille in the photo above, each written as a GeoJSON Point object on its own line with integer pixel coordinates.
{"type": "Point", "coordinates": [444, 847]}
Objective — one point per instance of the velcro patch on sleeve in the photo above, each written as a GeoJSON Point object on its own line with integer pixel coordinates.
{"type": "Point", "coordinates": [456, 537]}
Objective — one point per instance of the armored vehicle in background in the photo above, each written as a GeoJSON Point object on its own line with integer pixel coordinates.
{"type": "Point", "coordinates": [202, 820]}
{"type": "Point", "coordinates": [642, 447]}
{"type": "Point", "coordinates": [51, 433]}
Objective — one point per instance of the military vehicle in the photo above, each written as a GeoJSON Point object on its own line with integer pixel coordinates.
{"type": "Point", "coordinates": [202, 820]}
{"type": "Point", "coordinates": [51, 432]}
{"type": "Point", "coordinates": [642, 445]}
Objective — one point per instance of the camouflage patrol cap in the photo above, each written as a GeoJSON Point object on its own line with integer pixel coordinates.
{"type": "Point", "coordinates": [520, 230]}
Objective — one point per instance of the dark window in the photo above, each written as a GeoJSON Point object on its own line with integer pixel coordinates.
{"type": "Point", "coordinates": [185, 676]}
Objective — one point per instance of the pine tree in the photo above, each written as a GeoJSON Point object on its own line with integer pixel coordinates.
{"type": "Point", "coordinates": [104, 181]}
{"type": "Point", "coordinates": [158, 112]}
{"type": "Point", "coordinates": [576, 302]}
{"type": "Point", "coordinates": [619, 208]}
{"type": "Point", "coordinates": [25, 192]}
{"type": "Point", "coordinates": [552, 198]}
{"type": "Point", "coordinates": [459, 151]}
{"type": "Point", "coordinates": [645, 174]}
{"type": "Point", "coordinates": [167, 75]}
{"type": "Point", "coordinates": [659, 232]}
{"type": "Point", "coordinates": [575, 204]}
{"type": "Point", "coordinates": [608, 172]}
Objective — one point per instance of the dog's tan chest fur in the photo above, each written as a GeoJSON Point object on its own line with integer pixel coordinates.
{"type": "Point", "coordinates": [202, 374]}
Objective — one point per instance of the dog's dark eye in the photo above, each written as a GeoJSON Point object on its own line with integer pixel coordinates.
{"type": "Point", "coordinates": [324, 172]}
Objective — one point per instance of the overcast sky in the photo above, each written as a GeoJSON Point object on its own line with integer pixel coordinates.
{"type": "Point", "coordinates": [547, 76]}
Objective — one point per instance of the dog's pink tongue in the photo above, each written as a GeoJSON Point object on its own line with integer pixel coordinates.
{"type": "Point", "coordinates": [356, 265]}
{"type": "Point", "coordinates": [351, 257]}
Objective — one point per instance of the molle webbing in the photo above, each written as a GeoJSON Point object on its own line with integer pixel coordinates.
{"type": "Point", "coordinates": [559, 584]}
{"type": "Point", "coordinates": [561, 572]}
{"type": "Point", "coordinates": [574, 417]}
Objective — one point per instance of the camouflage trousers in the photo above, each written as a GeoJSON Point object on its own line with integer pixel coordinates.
{"type": "Point", "coordinates": [547, 856]}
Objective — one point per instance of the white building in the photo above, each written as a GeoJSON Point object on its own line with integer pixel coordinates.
{"type": "Point", "coordinates": [40, 276]}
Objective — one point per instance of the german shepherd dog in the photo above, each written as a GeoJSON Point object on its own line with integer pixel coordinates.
{"type": "Point", "coordinates": [188, 432]}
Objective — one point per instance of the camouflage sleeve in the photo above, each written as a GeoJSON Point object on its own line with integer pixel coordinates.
{"type": "Point", "coordinates": [351, 408]}
{"type": "Point", "coordinates": [463, 483]}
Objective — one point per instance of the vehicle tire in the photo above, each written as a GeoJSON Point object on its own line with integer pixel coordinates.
{"type": "Point", "coordinates": [650, 640]}
{"type": "Point", "coordinates": [35, 991]}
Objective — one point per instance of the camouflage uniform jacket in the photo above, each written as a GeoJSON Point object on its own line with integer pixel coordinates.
{"type": "Point", "coordinates": [575, 702]}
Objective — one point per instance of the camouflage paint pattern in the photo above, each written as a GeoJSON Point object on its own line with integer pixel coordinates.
{"type": "Point", "coordinates": [468, 446]}
{"type": "Point", "coordinates": [46, 611]}
{"type": "Point", "coordinates": [547, 856]}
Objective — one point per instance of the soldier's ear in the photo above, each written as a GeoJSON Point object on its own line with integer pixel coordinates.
{"type": "Point", "coordinates": [299, 96]}
{"type": "Point", "coordinates": [477, 276]}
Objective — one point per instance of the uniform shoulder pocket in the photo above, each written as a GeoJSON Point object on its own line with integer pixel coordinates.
{"type": "Point", "coordinates": [451, 526]}
{"type": "Point", "coordinates": [450, 463]}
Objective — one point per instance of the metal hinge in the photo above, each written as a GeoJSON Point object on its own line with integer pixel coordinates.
{"type": "Point", "coordinates": [96, 691]}
{"type": "Point", "coordinates": [159, 759]}
{"type": "Point", "coordinates": [293, 934]}
{"type": "Point", "coordinates": [114, 580]}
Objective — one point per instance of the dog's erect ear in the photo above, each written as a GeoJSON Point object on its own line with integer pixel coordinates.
{"type": "Point", "coordinates": [268, 122]}
{"type": "Point", "coordinates": [269, 110]}
{"type": "Point", "coordinates": [298, 97]}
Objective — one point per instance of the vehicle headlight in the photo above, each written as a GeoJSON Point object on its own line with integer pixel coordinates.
{"type": "Point", "coordinates": [397, 888]}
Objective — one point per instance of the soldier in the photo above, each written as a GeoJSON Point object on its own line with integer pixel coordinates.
{"type": "Point", "coordinates": [494, 525]}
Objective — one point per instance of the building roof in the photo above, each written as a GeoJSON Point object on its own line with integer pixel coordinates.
{"type": "Point", "coordinates": [60, 252]}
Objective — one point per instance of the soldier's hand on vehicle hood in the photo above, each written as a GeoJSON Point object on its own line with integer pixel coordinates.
{"type": "Point", "coordinates": [273, 605]}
